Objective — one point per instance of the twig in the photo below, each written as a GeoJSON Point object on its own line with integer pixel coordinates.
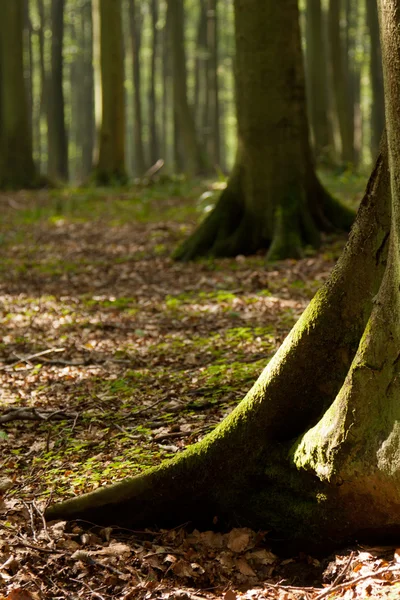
{"type": "Point", "coordinates": [343, 572]}
{"type": "Point", "coordinates": [41, 515]}
{"type": "Point", "coordinates": [95, 594]}
{"type": "Point", "coordinates": [37, 548]}
{"type": "Point", "coordinates": [32, 520]}
{"type": "Point", "coordinates": [30, 357]}
{"type": "Point", "coordinates": [32, 414]}
{"type": "Point", "coordinates": [372, 575]}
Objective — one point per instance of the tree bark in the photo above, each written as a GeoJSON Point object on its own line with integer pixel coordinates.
{"type": "Point", "coordinates": [317, 83]}
{"type": "Point", "coordinates": [110, 168]}
{"type": "Point", "coordinates": [57, 135]}
{"type": "Point", "coordinates": [17, 169]}
{"type": "Point", "coordinates": [154, 151]}
{"type": "Point", "coordinates": [213, 146]}
{"type": "Point", "coordinates": [195, 161]}
{"type": "Point", "coordinates": [135, 35]}
{"type": "Point", "coordinates": [341, 84]}
{"type": "Point", "coordinates": [273, 199]}
{"type": "Point", "coordinates": [376, 77]}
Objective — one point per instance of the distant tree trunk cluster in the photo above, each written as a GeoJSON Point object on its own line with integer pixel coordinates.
{"type": "Point", "coordinates": [342, 46]}
{"type": "Point", "coordinates": [110, 87]}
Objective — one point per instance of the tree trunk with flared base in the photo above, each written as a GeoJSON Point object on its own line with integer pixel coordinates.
{"type": "Point", "coordinates": [272, 463]}
{"type": "Point", "coordinates": [273, 199]}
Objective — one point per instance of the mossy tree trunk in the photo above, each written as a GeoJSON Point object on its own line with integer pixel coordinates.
{"type": "Point", "coordinates": [312, 451]}
{"type": "Point", "coordinates": [17, 169]}
{"type": "Point", "coordinates": [245, 470]}
{"type": "Point", "coordinates": [110, 168]}
{"type": "Point", "coordinates": [273, 199]}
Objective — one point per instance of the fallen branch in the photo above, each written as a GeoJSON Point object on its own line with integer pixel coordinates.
{"type": "Point", "coordinates": [33, 414]}
{"type": "Point", "coordinates": [26, 359]}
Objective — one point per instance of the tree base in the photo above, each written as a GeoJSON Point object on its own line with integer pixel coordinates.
{"type": "Point", "coordinates": [231, 229]}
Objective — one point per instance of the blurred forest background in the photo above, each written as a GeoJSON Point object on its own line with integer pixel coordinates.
{"type": "Point", "coordinates": [135, 87]}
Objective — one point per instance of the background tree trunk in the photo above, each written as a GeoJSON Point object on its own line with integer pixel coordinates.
{"type": "Point", "coordinates": [273, 199]}
{"type": "Point", "coordinates": [195, 162]}
{"type": "Point", "coordinates": [16, 162]}
{"type": "Point", "coordinates": [111, 164]}
{"type": "Point", "coordinates": [317, 83]}
{"type": "Point", "coordinates": [154, 152]}
{"type": "Point", "coordinates": [213, 146]}
{"type": "Point", "coordinates": [376, 76]}
{"type": "Point", "coordinates": [57, 135]}
{"type": "Point", "coordinates": [341, 85]}
{"type": "Point", "coordinates": [135, 20]}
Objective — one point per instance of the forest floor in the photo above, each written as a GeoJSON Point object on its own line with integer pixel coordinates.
{"type": "Point", "coordinates": [113, 357]}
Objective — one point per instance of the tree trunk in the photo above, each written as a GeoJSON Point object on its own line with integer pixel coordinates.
{"type": "Point", "coordinates": [200, 82]}
{"type": "Point", "coordinates": [17, 169]}
{"type": "Point", "coordinates": [244, 471]}
{"type": "Point", "coordinates": [87, 92]}
{"type": "Point", "coordinates": [213, 146]}
{"type": "Point", "coordinates": [154, 151]}
{"type": "Point", "coordinates": [110, 168]}
{"type": "Point", "coordinates": [341, 84]}
{"type": "Point", "coordinates": [317, 83]}
{"type": "Point", "coordinates": [135, 35]}
{"type": "Point", "coordinates": [195, 162]}
{"type": "Point", "coordinates": [57, 135]}
{"type": "Point", "coordinates": [376, 77]}
{"type": "Point", "coordinates": [273, 200]}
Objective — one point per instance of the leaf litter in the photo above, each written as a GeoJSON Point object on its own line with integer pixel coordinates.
{"type": "Point", "coordinates": [112, 358]}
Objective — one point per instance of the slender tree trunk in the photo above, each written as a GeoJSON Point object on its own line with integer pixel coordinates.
{"type": "Point", "coordinates": [110, 168]}
{"type": "Point", "coordinates": [57, 135]}
{"type": "Point", "coordinates": [317, 83]}
{"type": "Point", "coordinates": [29, 63]}
{"type": "Point", "coordinates": [16, 162]}
{"type": "Point", "coordinates": [43, 150]}
{"type": "Point", "coordinates": [376, 77]}
{"type": "Point", "coordinates": [154, 152]}
{"type": "Point", "coordinates": [213, 147]}
{"type": "Point", "coordinates": [341, 84]}
{"type": "Point", "coordinates": [200, 85]}
{"type": "Point", "coordinates": [87, 91]}
{"type": "Point", "coordinates": [273, 200]}
{"type": "Point", "coordinates": [135, 35]}
{"type": "Point", "coordinates": [195, 160]}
